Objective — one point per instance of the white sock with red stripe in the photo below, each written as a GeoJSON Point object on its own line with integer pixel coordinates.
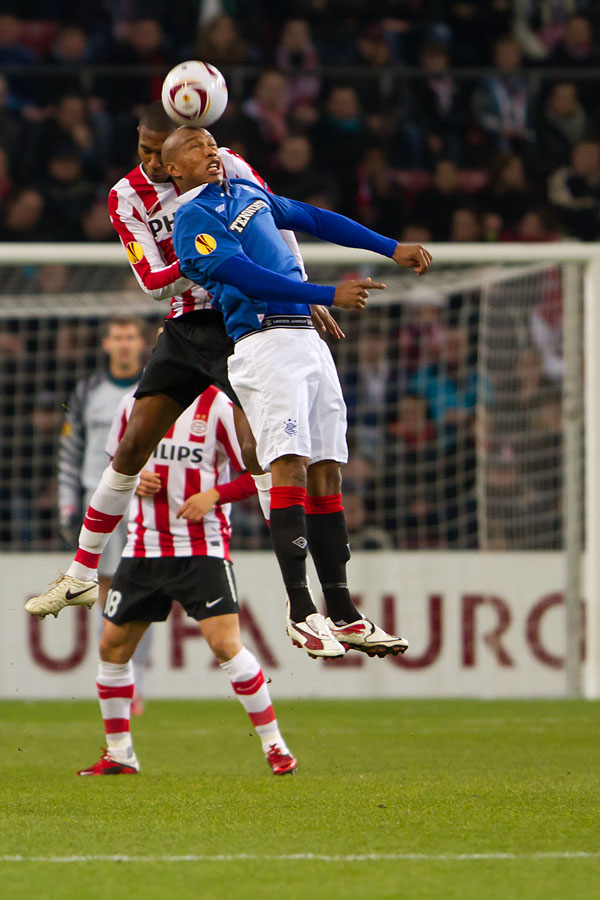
{"type": "Point", "coordinates": [115, 691]}
{"type": "Point", "coordinates": [248, 683]}
{"type": "Point", "coordinates": [110, 501]}
{"type": "Point", "coordinates": [264, 483]}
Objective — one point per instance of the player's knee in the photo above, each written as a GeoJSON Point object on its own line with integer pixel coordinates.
{"type": "Point", "coordinates": [225, 646]}
{"type": "Point", "coordinates": [132, 453]}
{"type": "Point", "coordinates": [290, 470]}
{"type": "Point", "coordinates": [113, 648]}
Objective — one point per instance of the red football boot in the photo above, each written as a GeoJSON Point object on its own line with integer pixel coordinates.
{"type": "Point", "coordinates": [106, 765]}
{"type": "Point", "coordinates": [281, 763]}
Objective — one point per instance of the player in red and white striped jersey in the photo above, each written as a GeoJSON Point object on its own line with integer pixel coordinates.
{"type": "Point", "coordinates": [178, 549]}
{"type": "Point", "coordinates": [195, 456]}
{"type": "Point", "coordinates": [190, 354]}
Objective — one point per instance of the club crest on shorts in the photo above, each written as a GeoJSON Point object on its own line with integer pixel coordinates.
{"type": "Point", "coordinates": [290, 426]}
{"type": "Point", "coordinates": [135, 252]}
{"type": "Point", "coordinates": [205, 244]}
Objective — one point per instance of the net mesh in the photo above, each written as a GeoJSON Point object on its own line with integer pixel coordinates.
{"type": "Point", "coordinates": [453, 385]}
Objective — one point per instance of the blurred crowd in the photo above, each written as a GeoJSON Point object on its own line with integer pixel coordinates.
{"type": "Point", "coordinates": [445, 120]}
{"type": "Point", "coordinates": [449, 120]}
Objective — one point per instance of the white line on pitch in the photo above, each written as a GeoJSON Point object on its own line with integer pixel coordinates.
{"type": "Point", "coordinates": [317, 857]}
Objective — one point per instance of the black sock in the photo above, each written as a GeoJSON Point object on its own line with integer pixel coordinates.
{"type": "Point", "coordinates": [288, 535]}
{"type": "Point", "coordinates": [329, 547]}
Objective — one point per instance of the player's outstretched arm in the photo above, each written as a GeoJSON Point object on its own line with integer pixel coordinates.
{"type": "Point", "coordinates": [337, 229]}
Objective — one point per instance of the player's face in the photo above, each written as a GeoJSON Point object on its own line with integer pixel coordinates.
{"type": "Point", "coordinates": [124, 345]}
{"type": "Point", "coordinates": [197, 160]}
{"type": "Point", "coordinates": [149, 147]}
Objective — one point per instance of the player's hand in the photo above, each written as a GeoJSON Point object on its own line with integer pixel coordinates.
{"type": "Point", "coordinates": [325, 323]}
{"type": "Point", "coordinates": [150, 483]}
{"type": "Point", "coordinates": [354, 294]}
{"type": "Point", "coordinates": [195, 507]}
{"type": "Point", "coordinates": [412, 256]}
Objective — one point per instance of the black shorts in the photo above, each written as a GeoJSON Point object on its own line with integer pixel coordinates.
{"type": "Point", "coordinates": [189, 356]}
{"type": "Point", "coordinates": [143, 590]}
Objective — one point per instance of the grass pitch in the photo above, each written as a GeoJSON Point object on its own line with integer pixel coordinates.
{"type": "Point", "coordinates": [393, 799]}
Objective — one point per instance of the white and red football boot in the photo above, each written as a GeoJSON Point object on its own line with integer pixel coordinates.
{"type": "Point", "coordinates": [314, 636]}
{"type": "Point", "coordinates": [367, 637]}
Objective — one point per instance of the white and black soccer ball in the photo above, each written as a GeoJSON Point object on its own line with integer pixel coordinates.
{"type": "Point", "coordinates": [194, 93]}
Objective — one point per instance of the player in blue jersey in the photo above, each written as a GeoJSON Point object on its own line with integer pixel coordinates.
{"type": "Point", "coordinates": [226, 238]}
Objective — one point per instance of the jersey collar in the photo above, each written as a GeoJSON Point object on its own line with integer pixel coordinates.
{"type": "Point", "coordinates": [196, 191]}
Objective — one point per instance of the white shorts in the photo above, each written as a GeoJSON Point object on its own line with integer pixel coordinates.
{"type": "Point", "coordinates": [289, 388]}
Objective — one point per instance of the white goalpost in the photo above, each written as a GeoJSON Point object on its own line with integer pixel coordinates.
{"type": "Point", "coordinates": [515, 469]}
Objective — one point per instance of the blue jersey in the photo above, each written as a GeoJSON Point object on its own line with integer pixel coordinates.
{"type": "Point", "coordinates": [227, 240]}
{"type": "Point", "coordinates": [218, 223]}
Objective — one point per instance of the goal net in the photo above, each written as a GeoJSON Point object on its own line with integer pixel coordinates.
{"type": "Point", "coordinates": [454, 385]}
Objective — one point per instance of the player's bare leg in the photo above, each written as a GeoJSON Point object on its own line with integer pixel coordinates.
{"type": "Point", "coordinates": [222, 634]}
{"type": "Point", "coordinates": [247, 444]}
{"type": "Point", "coordinates": [306, 627]}
{"type": "Point", "coordinates": [329, 547]}
{"type": "Point", "coordinates": [115, 685]}
{"type": "Point", "coordinates": [150, 419]}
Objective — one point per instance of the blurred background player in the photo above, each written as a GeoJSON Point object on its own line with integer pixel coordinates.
{"type": "Point", "coordinates": [226, 238]}
{"type": "Point", "coordinates": [178, 549]}
{"type": "Point", "coordinates": [190, 354]}
{"type": "Point", "coordinates": [82, 452]}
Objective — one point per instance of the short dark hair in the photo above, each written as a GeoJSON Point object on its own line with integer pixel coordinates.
{"type": "Point", "coordinates": [121, 321]}
{"type": "Point", "coordinates": [154, 118]}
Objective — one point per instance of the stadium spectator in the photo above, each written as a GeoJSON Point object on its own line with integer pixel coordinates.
{"type": "Point", "coordinates": [24, 217]}
{"type": "Point", "coordinates": [411, 476]}
{"type": "Point", "coordinates": [369, 388]}
{"type": "Point", "coordinates": [297, 58]}
{"type": "Point", "coordinates": [503, 101]}
{"type": "Point", "coordinates": [379, 199]}
{"type": "Point", "coordinates": [71, 123]}
{"type": "Point", "coordinates": [220, 43]}
{"type": "Point", "coordinates": [141, 42]}
{"type": "Point", "coordinates": [440, 105]}
{"type": "Point", "coordinates": [466, 226]}
{"type": "Point", "coordinates": [538, 225]}
{"type": "Point", "coordinates": [563, 122]}
{"type": "Point", "coordinates": [268, 108]}
{"type": "Point", "coordinates": [574, 192]}
{"type": "Point", "coordinates": [292, 171]}
{"type": "Point", "coordinates": [341, 138]}
{"type": "Point", "coordinates": [449, 385]}
{"type": "Point", "coordinates": [67, 194]}
{"type": "Point", "coordinates": [70, 47]}
{"type": "Point", "coordinates": [363, 534]}
{"type": "Point", "coordinates": [509, 194]}
{"type": "Point", "coordinates": [435, 205]}
{"type": "Point", "coordinates": [95, 223]}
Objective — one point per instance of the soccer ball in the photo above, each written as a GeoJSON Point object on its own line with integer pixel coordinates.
{"type": "Point", "coordinates": [194, 93]}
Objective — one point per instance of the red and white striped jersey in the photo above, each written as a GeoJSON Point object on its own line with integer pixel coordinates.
{"type": "Point", "coordinates": [142, 214]}
{"type": "Point", "coordinates": [198, 452]}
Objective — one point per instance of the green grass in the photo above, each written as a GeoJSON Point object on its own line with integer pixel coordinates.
{"type": "Point", "coordinates": [386, 777]}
